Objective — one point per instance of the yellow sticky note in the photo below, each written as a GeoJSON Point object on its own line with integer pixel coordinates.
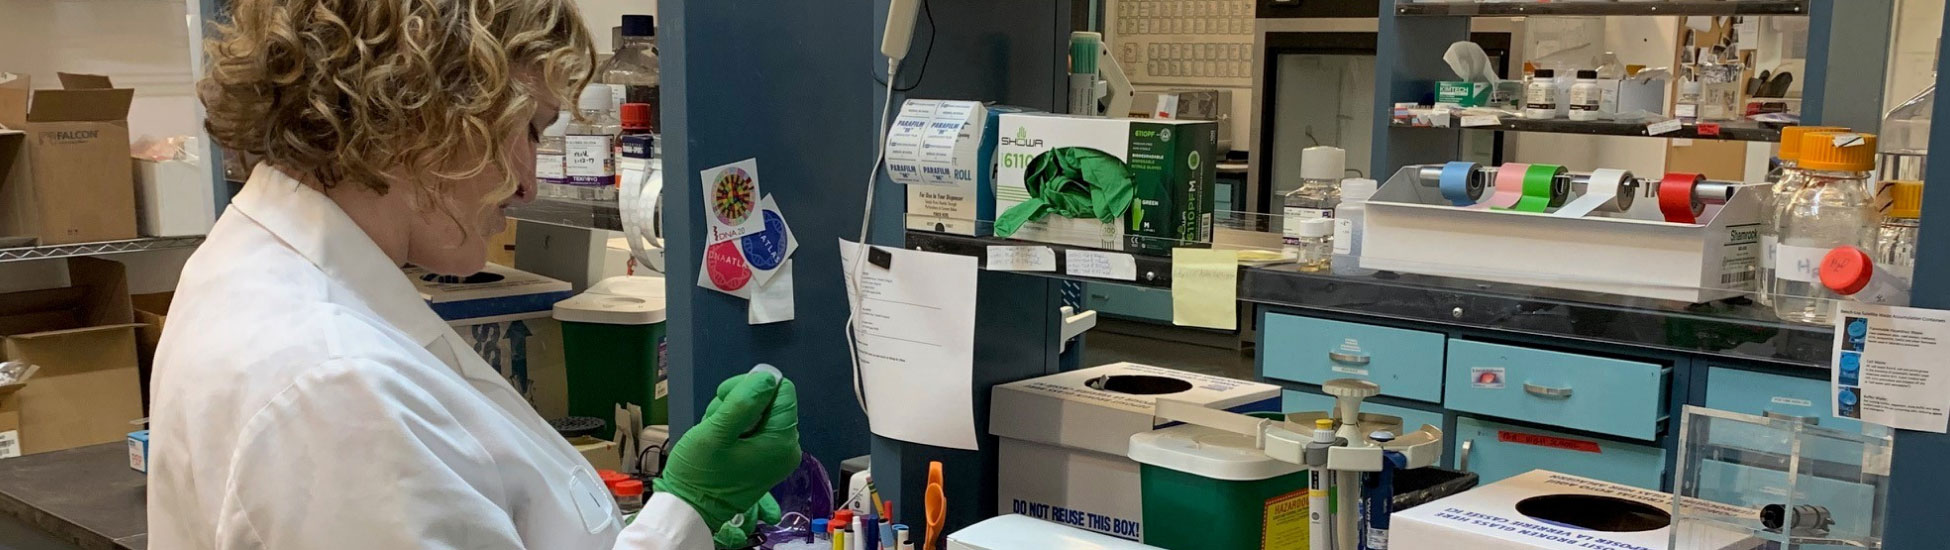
{"type": "Point", "coordinates": [1205, 288]}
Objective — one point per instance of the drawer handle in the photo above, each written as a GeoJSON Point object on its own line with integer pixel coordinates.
{"type": "Point", "coordinates": [1547, 392]}
{"type": "Point", "coordinates": [1462, 462]}
{"type": "Point", "coordinates": [1346, 358]}
{"type": "Point", "coordinates": [1809, 420]}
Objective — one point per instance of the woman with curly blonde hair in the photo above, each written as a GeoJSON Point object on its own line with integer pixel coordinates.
{"type": "Point", "coordinates": [305, 395]}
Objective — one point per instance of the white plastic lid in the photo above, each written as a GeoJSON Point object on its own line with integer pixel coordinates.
{"type": "Point", "coordinates": [1207, 452]}
{"type": "Point", "coordinates": [1317, 227]}
{"type": "Point", "coordinates": [621, 300]}
{"type": "Point", "coordinates": [595, 97]}
{"type": "Point", "coordinates": [1357, 189]}
{"type": "Point", "coordinates": [1322, 162]}
{"type": "Point", "coordinates": [561, 125]}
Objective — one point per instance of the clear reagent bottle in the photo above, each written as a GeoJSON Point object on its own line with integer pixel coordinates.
{"type": "Point", "coordinates": [549, 152]}
{"type": "Point", "coordinates": [1785, 179]}
{"type": "Point", "coordinates": [1316, 244]}
{"type": "Point", "coordinates": [590, 145]}
{"type": "Point", "coordinates": [1348, 218]}
{"type": "Point", "coordinates": [1321, 168]}
{"type": "Point", "coordinates": [1833, 209]}
{"type": "Point", "coordinates": [632, 72]}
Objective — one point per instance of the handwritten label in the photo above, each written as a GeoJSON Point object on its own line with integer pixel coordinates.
{"type": "Point", "coordinates": [1471, 121]}
{"type": "Point", "coordinates": [1104, 265]}
{"type": "Point", "coordinates": [1708, 129]}
{"type": "Point", "coordinates": [1553, 442]}
{"type": "Point", "coordinates": [1021, 258]}
{"type": "Point", "coordinates": [1792, 402]}
{"type": "Point", "coordinates": [1665, 127]}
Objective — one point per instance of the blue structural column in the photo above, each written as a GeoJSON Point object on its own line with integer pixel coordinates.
{"type": "Point", "coordinates": [1848, 45]}
{"type": "Point", "coordinates": [1915, 514]}
{"type": "Point", "coordinates": [1408, 62]}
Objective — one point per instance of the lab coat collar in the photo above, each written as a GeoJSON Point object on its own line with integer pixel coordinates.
{"type": "Point", "coordinates": [315, 227]}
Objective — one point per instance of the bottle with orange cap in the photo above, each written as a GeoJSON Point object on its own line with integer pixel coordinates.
{"type": "Point", "coordinates": [1833, 208]}
{"type": "Point", "coordinates": [1785, 179]}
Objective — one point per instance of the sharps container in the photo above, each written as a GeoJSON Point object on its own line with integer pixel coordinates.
{"type": "Point", "coordinates": [613, 341]}
{"type": "Point", "coordinates": [1207, 489]}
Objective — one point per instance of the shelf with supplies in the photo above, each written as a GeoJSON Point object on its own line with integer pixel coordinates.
{"type": "Point", "coordinates": [1730, 131]}
{"type": "Point", "coordinates": [586, 214]}
{"type": "Point", "coordinates": [17, 252]}
{"type": "Point", "coordinates": [1734, 328]}
{"type": "Point", "coordinates": [1627, 8]}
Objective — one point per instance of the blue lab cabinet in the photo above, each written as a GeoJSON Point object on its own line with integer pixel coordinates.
{"type": "Point", "coordinates": [1496, 451]}
{"type": "Point", "coordinates": [1582, 392]}
{"type": "Point", "coordinates": [1134, 302]}
{"type": "Point", "coordinates": [1406, 363]}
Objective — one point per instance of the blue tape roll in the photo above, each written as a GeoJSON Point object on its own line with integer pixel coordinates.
{"type": "Point", "coordinates": [1455, 182]}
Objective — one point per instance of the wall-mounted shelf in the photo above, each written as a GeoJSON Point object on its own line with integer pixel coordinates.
{"type": "Point", "coordinates": [48, 252]}
{"type": "Point", "coordinates": [570, 213]}
{"type": "Point", "coordinates": [1640, 8]}
{"type": "Point", "coordinates": [1734, 329]}
{"type": "Point", "coordinates": [1731, 131]}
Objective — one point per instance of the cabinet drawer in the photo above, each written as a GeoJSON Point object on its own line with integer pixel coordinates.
{"type": "Point", "coordinates": [1130, 301]}
{"type": "Point", "coordinates": [1612, 396]}
{"type": "Point", "coordinates": [1849, 503]}
{"type": "Point", "coordinates": [1779, 396]}
{"type": "Point", "coordinates": [1497, 451]}
{"type": "Point", "coordinates": [1412, 419]}
{"type": "Point", "coordinates": [1406, 363]}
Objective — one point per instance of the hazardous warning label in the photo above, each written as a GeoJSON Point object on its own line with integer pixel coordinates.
{"type": "Point", "coordinates": [1285, 526]}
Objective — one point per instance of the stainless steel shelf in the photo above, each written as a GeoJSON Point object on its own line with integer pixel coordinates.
{"type": "Point", "coordinates": [45, 252]}
{"type": "Point", "coordinates": [1729, 131]}
{"type": "Point", "coordinates": [1735, 329]}
{"type": "Point", "coordinates": [1622, 8]}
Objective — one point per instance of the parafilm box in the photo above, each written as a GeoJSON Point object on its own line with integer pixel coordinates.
{"type": "Point", "coordinates": [1121, 184]}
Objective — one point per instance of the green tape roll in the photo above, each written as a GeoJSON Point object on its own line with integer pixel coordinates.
{"type": "Point", "coordinates": [1537, 183]}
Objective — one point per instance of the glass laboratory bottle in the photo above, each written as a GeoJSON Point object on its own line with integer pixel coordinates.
{"type": "Point", "coordinates": [1906, 137]}
{"type": "Point", "coordinates": [1353, 211]}
{"type": "Point", "coordinates": [629, 495]}
{"type": "Point", "coordinates": [1784, 180]}
{"type": "Point", "coordinates": [590, 144]}
{"type": "Point", "coordinates": [632, 72]}
{"type": "Point", "coordinates": [1896, 239]}
{"type": "Point", "coordinates": [1316, 247]}
{"type": "Point", "coordinates": [550, 180]}
{"type": "Point", "coordinates": [1832, 209]}
{"type": "Point", "coordinates": [1319, 193]}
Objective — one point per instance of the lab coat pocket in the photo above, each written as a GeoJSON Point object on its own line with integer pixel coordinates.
{"type": "Point", "coordinates": [598, 509]}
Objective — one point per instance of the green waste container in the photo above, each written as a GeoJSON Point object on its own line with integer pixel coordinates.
{"type": "Point", "coordinates": [615, 349]}
{"type": "Point", "coordinates": [1207, 489]}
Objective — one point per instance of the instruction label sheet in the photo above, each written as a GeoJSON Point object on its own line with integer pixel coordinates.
{"type": "Point", "coordinates": [1889, 367]}
{"type": "Point", "coordinates": [915, 335]}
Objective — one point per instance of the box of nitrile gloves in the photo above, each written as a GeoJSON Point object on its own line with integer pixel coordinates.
{"type": "Point", "coordinates": [1123, 184]}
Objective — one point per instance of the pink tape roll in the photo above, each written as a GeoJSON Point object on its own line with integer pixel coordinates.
{"type": "Point", "coordinates": [1509, 185]}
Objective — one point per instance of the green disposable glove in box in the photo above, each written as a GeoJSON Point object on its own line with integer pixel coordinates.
{"type": "Point", "coordinates": [1074, 182]}
{"type": "Point", "coordinates": [747, 442]}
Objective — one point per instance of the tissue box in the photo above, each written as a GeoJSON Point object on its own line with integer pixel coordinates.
{"type": "Point", "coordinates": [1541, 510]}
{"type": "Point", "coordinates": [1064, 438]}
{"type": "Point", "coordinates": [1460, 94]}
{"type": "Point", "coordinates": [139, 451]}
{"type": "Point", "coordinates": [1172, 165]}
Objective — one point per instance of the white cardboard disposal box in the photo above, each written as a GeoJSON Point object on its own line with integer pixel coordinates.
{"type": "Point", "coordinates": [1494, 517]}
{"type": "Point", "coordinates": [1064, 437]}
{"type": "Point", "coordinates": [506, 315]}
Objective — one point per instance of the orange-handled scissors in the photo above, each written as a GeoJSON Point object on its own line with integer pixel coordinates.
{"type": "Point", "coordinates": [937, 506]}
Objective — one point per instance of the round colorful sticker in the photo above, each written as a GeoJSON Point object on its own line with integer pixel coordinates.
{"type": "Point", "coordinates": [766, 249]}
{"type": "Point", "coordinates": [726, 267]}
{"type": "Point", "coordinates": [733, 196]}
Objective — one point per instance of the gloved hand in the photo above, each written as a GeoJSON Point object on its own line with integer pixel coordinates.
{"type": "Point", "coordinates": [739, 450]}
{"type": "Point", "coordinates": [740, 535]}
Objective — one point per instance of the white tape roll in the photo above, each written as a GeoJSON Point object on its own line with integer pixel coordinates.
{"type": "Point", "coordinates": [1607, 190]}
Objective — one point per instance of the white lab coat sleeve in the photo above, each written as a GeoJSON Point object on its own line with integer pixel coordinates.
{"type": "Point", "coordinates": [666, 523]}
{"type": "Point", "coordinates": [355, 455]}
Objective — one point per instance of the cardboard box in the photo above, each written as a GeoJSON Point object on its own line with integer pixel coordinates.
{"type": "Point", "coordinates": [1491, 517]}
{"type": "Point", "coordinates": [139, 451]}
{"type": "Point", "coordinates": [601, 453]}
{"type": "Point", "coordinates": [1172, 166]}
{"type": "Point", "coordinates": [10, 419]}
{"type": "Point", "coordinates": [505, 314]}
{"type": "Point", "coordinates": [73, 183]}
{"type": "Point", "coordinates": [1064, 438]}
{"type": "Point", "coordinates": [175, 198]}
{"type": "Point", "coordinates": [1189, 104]}
{"type": "Point", "coordinates": [83, 339]}
{"type": "Point", "coordinates": [1457, 94]}
{"type": "Point", "coordinates": [151, 310]}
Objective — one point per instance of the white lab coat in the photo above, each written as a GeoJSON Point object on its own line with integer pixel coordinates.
{"type": "Point", "coordinates": [305, 397]}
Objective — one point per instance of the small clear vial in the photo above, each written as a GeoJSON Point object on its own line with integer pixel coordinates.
{"type": "Point", "coordinates": [1319, 194]}
{"type": "Point", "coordinates": [1834, 209]}
{"type": "Point", "coordinates": [629, 492]}
{"type": "Point", "coordinates": [550, 179]}
{"type": "Point", "coordinates": [1316, 248]}
{"type": "Point", "coordinates": [590, 145]}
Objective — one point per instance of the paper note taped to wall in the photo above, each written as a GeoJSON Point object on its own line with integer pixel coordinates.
{"type": "Point", "coordinates": [1889, 367]}
{"type": "Point", "coordinates": [772, 302]}
{"type": "Point", "coordinates": [1204, 288]}
{"type": "Point", "coordinates": [936, 142]}
{"type": "Point", "coordinates": [915, 335]}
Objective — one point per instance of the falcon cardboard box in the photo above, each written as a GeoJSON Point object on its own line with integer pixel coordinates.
{"type": "Point", "coordinates": [66, 178]}
{"type": "Point", "coordinates": [1143, 186]}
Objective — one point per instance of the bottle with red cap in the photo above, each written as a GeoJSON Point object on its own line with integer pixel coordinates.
{"type": "Point", "coordinates": [1783, 181]}
{"type": "Point", "coordinates": [1852, 272]}
{"type": "Point", "coordinates": [629, 495]}
{"type": "Point", "coordinates": [1834, 208]}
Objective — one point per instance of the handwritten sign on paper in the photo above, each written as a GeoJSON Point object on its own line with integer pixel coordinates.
{"type": "Point", "coordinates": [1205, 288]}
{"type": "Point", "coordinates": [1021, 258]}
{"type": "Point", "coordinates": [1103, 265]}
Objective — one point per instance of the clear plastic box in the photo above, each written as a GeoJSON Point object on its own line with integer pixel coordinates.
{"type": "Point", "coordinates": [1778, 482]}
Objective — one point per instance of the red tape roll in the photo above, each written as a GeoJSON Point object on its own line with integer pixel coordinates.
{"type": "Point", "coordinates": [1677, 198]}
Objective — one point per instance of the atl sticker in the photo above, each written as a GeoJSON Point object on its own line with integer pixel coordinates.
{"type": "Point", "coordinates": [726, 267]}
{"type": "Point", "coordinates": [766, 249]}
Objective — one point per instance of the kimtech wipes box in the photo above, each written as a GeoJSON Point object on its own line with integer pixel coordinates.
{"type": "Point", "coordinates": [1063, 438]}
{"type": "Point", "coordinates": [1122, 184]}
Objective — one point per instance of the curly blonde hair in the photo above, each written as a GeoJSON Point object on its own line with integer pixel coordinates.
{"type": "Point", "coordinates": [374, 93]}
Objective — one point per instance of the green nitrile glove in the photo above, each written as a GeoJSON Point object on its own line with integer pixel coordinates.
{"type": "Point", "coordinates": [747, 442]}
{"type": "Point", "coordinates": [738, 536]}
{"type": "Point", "coordinates": [1075, 182]}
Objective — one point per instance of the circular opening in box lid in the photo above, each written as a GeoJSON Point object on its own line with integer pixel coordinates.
{"type": "Point", "coordinates": [1139, 384]}
{"type": "Point", "coordinates": [1595, 513]}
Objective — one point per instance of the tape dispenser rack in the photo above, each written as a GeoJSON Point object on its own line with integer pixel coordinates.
{"type": "Point", "coordinates": [1676, 197]}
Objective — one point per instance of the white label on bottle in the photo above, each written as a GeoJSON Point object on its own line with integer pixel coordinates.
{"type": "Point", "coordinates": [548, 168]}
{"type": "Point", "coordinates": [1290, 228]}
{"type": "Point", "coordinates": [1767, 245]}
{"type": "Point", "coordinates": [1343, 236]}
{"type": "Point", "coordinates": [1799, 263]}
{"type": "Point", "coordinates": [1542, 95]}
{"type": "Point", "coordinates": [618, 95]}
{"type": "Point", "coordinates": [591, 160]}
{"type": "Point", "coordinates": [1585, 98]}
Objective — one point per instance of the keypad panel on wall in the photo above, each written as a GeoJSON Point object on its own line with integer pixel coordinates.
{"type": "Point", "coordinates": [1183, 42]}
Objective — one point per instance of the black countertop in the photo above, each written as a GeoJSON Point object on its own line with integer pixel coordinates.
{"type": "Point", "coordinates": [86, 496]}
